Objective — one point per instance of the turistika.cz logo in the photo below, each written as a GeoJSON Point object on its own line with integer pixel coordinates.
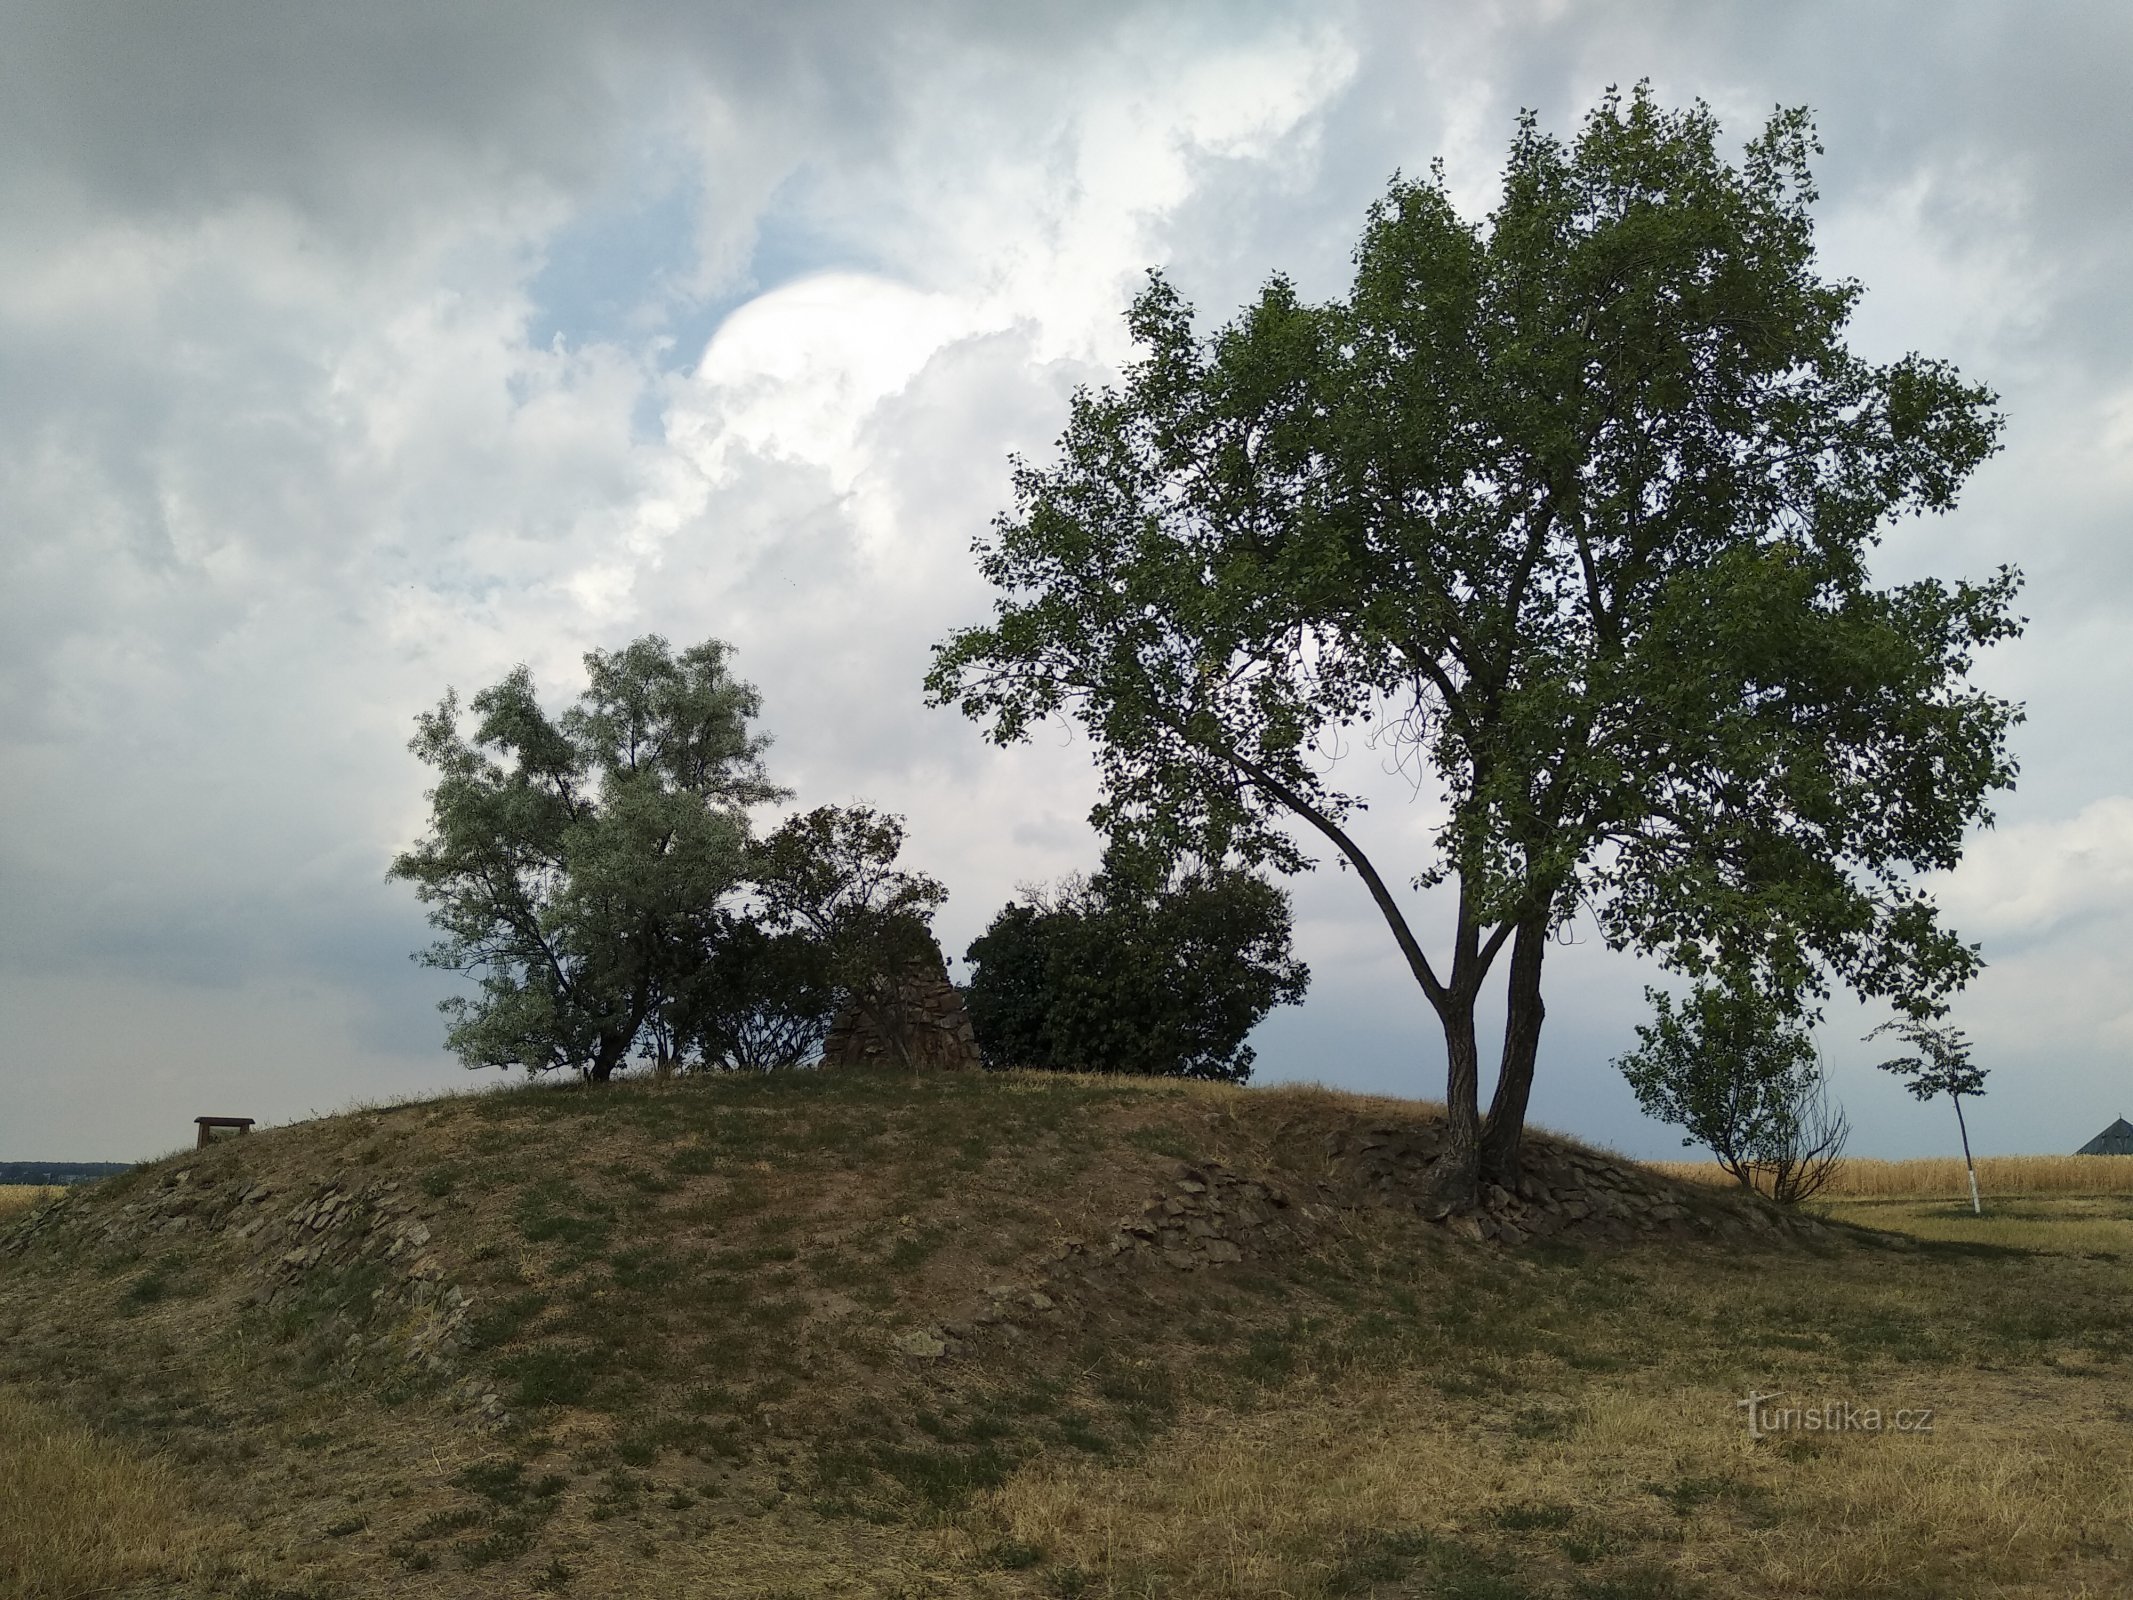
{"type": "Point", "coordinates": [1832, 1416]}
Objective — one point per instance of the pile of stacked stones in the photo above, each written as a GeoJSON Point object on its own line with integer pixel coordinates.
{"type": "Point", "coordinates": [1561, 1190]}
{"type": "Point", "coordinates": [916, 1019]}
{"type": "Point", "coordinates": [1209, 1216]}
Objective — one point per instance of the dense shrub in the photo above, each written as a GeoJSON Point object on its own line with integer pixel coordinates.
{"type": "Point", "coordinates": [1128, 973]}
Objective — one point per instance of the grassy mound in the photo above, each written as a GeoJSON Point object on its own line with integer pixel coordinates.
{"type": "Point", "coordinates": [873, 1334]}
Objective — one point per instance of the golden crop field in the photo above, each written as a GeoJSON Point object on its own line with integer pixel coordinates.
{"type": "Point", "coordinates": [1861, 1178]}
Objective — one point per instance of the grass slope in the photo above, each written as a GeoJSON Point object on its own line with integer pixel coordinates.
{"type": "Point", "coordinates": [874, 1335]}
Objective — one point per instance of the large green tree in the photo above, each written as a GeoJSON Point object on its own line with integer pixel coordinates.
{"type": "Point", "coordinates": [1571, 508]}
{"type": "Point", "coordinates": [758, 1002]}
{"type": "Point", "coordinates": [571, 861]}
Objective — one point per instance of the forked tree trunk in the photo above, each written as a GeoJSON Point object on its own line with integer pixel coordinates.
{"type": "Point", "coordinates": [1503, 1135]}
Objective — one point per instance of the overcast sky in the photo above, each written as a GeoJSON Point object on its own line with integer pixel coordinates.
{"type": "Point", "coordinates": [350, 352]}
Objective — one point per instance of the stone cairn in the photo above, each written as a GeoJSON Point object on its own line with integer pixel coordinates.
{"type": "Point", "coordinates": [914, 1018]}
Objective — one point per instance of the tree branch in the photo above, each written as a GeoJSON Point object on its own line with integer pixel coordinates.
{"type": "Point", "coordinates": [1403, 935]}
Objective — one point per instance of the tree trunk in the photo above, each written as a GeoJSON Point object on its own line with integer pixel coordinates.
{"type": "Point", "coordinates": [1977, 1206]}
{"type": "Point", "coordinates": [1456, 1179]}
{"type": "Point", "coordinates": [610, 1051]}
{"type": "Point", "coordinates": [1504, 1132]}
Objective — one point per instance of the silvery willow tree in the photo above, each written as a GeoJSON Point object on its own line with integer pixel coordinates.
{"type": "Point", "coordinates": [572, 861]}
{"type": "Point", "coordinates": [1570, 507]}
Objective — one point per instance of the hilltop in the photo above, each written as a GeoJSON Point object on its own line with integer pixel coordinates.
{"type": "Point", "coordinates": [853, 1333]}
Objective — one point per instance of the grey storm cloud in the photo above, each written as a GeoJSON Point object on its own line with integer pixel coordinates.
{"type": "Point", "coordinates": [377, 109]}
{"type": "Point", "coordinates": [302, 419]}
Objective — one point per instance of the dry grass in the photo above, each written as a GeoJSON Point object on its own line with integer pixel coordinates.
{"type": "Point", "coordinates": [2089, 1225]}
{"type": "Point", "coordinates": [1654, 1482]}
{"type": "Point", "coordinates": [1613, 1459]}
{"type": "Point", "coordinates": [1937, 1176]}
{"type": "Point", "coordinates": [16, 1198]}
{"type": "Point", "coordinates": [80, 1516]}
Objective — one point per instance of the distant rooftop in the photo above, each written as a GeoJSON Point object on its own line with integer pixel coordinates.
{"type": "Point", "coordinates": [2116, 1140]}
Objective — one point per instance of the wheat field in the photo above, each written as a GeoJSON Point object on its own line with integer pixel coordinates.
{"type": "Point", "coordinates": [1861, 1178]}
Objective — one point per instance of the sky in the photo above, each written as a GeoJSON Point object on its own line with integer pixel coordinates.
{"type": "Point", "coordinates": [350, 353]}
